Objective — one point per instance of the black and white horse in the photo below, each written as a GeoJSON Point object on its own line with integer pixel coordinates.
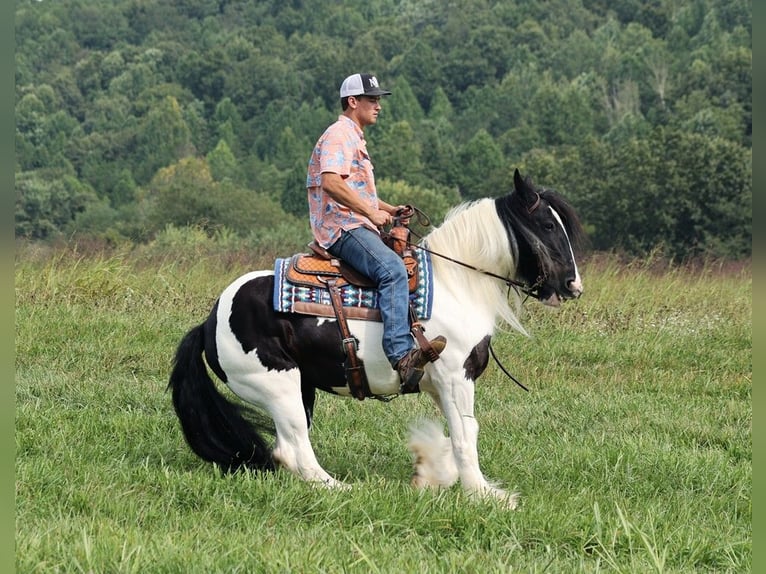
{"type": "Point", "coordinates": [277, 360]}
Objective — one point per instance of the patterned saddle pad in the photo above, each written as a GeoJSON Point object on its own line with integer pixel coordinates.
{"type": "Point", "coordinates": [358, 302]}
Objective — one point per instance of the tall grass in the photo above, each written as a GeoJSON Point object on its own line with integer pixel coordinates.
{"type": "Point", "coordinates": [632, 450]}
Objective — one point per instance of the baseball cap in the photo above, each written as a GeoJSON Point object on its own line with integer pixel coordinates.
{"type": "Point", "coordinates": [362, 85]}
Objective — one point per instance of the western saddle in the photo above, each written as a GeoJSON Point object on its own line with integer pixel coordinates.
{"type": "Point", "coordinates": [321, 269]}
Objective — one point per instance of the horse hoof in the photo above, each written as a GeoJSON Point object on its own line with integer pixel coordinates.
{"type": "Point", "coordinates": [331, 484]}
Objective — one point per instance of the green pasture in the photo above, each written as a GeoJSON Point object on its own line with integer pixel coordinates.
{"type": "Point", "coordinates": [632, 451]}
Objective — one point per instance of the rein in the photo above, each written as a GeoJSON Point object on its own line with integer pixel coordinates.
{"type": "Point", "coordinates": [406, 214]}
{"type": "Point", "coordinates": [529, 290]}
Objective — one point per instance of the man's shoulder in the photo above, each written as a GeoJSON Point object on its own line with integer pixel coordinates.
{"type": "Point", "coordinates": [340, 130]}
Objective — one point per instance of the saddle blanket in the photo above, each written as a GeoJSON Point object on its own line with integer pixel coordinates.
{"type": "Point", "coordinates": [292, 298]}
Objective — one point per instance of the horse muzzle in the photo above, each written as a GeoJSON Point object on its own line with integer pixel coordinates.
{"type": "Point", "coordinates": [575, 288]}
{"type": "Point", "coordinates": [553, 297]}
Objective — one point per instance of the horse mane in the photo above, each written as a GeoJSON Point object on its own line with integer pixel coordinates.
{"type": "Point", "coordinates": [473, 233]}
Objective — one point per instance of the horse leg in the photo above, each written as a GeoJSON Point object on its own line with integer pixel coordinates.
{"type": "Point", "coordinates": [279, 392]}
{"type": "Point", "coordinates": [456, 401]}
{"type": "Point", "coordinates": [434, 463]}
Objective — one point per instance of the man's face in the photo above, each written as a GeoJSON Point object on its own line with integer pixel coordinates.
{"type": "Point", "coordinates": [367, 109]}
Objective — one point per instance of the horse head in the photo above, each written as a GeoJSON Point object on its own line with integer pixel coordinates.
{"type": "Point", "coordinates": [544, 233]}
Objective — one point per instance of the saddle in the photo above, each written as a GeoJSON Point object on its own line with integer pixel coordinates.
{"type": "Point", "coordinates": [319, 268]}
{"type": "Point", "coordinates": [313, 269]}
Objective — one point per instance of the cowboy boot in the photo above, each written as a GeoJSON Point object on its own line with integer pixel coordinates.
{"type": "Point", "coordinates": [410, 367]}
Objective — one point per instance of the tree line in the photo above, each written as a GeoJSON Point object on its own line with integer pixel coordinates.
{"type": "Point", "coordinates": [136, 115]}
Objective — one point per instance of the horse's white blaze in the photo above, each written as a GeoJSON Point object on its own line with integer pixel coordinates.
{"type": "Point", "coordinates": [576, 285]}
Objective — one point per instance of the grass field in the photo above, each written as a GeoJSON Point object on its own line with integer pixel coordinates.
{"type": "Point", "coordinates": [632, 451]}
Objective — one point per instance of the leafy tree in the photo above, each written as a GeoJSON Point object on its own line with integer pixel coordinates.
{"type": "Point", "coordinates": [223, 164]}
{"type": "Point", "coordinates": [227, 124]}
{"type": "Point", "coordinates": [289, 149]}
{"type": "Point", "coordinates": [402, 105]}
{"type": "Point", "coordinates": [47, 201]}
{"type": "Point", "coordinates": [561, 112]}
{"type": "Point", "coordinates": [30, 114]}
{"type": "Point", "coordinates": [199, 129]}
{"type": "Point", "coordinates": [99, 26]}
{"type": "Point", "coordinates": [185, 193]}
{"type": "Point", "coordinates": [688, 193]}
{"type": "Point", "coordinates": [482, 172]}
{"type": "Point", "coordinates": [293, 199]}
{"type": "Point", "coordinates": [205, 76]}
{"type": "Point", "coordinates": [323, 62]}
{"type": "Point", "coordinates": [434, 201]}
{"type": "Point", "coordinates": [181, 194]}
{"type": "Point", "coordinates": [590, 93]}
{"type": "Point", "coordinates": [438, 153]}
{"type": "Point", "coordinates": [710, 180]}
{"type": "Point", "coordinates": [420, 62]}
{"type": "Point", "coordinates": [396, 153]}
{"type": "Point", "coordinates": [162, 138]}
{"type": "Point", "coordinates": [441, 107]}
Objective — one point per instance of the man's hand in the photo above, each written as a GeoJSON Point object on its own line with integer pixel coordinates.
{"type": "Point", "coordinates": [380, 218]}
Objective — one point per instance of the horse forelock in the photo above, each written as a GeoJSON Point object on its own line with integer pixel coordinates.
{"type": "Point", "coordinates": [568, 215]}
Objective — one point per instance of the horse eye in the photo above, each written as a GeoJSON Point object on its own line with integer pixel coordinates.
{"type": "Point", "coordinates": [549, 226]}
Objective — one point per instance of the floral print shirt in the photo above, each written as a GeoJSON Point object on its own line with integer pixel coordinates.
{"type": "Point", "coordinates": [341, 149]}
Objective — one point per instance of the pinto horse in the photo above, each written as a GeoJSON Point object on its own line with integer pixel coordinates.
{"type": "Point", "coordinates": [277, 360]}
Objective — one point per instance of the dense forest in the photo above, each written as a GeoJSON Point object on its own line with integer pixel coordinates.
{"type": "Point", "coordinates": [135, 118]}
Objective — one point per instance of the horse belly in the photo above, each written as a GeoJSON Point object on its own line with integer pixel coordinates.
{"type": "Point", "coordinates": [323, 362]}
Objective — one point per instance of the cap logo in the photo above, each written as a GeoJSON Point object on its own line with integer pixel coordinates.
{"type": "Point", "coordinates": [374, 82]}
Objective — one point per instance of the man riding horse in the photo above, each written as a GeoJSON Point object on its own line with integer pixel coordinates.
{"type": "Point", "coordinates": [346, 214]}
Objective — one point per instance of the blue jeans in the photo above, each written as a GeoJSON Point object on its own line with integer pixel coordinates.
{"type": "Point", "coordinates": [365, 251]}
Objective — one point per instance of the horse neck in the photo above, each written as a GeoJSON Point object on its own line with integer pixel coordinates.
{"type": "Point", "coordinates": [474, 235]}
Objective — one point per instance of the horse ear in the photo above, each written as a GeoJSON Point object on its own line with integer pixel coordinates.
{"type": "Point", "coordinates": [524, 189]}
{"type": "Point", "coordinates": [517, 179]}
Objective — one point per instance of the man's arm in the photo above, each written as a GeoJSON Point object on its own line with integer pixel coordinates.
{"type": "Point", "coordinates": [334, 185]}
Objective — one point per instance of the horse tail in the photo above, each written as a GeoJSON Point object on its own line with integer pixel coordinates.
{"type": "Point", "coordinates": [216, 429]}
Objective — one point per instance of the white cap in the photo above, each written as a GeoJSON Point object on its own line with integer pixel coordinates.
{"type": "Point", "coordinates": [362, 85]}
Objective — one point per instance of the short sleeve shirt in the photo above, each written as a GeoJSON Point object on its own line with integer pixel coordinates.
{"type": "Point", "coordinates": [341, 149]}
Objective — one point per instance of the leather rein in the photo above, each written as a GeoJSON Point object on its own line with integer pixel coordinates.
{"type": "Point", "coordinates": [425, 221]}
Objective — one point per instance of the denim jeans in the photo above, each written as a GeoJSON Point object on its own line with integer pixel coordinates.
{"type": "Point", "coordinates": [365, 251]}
